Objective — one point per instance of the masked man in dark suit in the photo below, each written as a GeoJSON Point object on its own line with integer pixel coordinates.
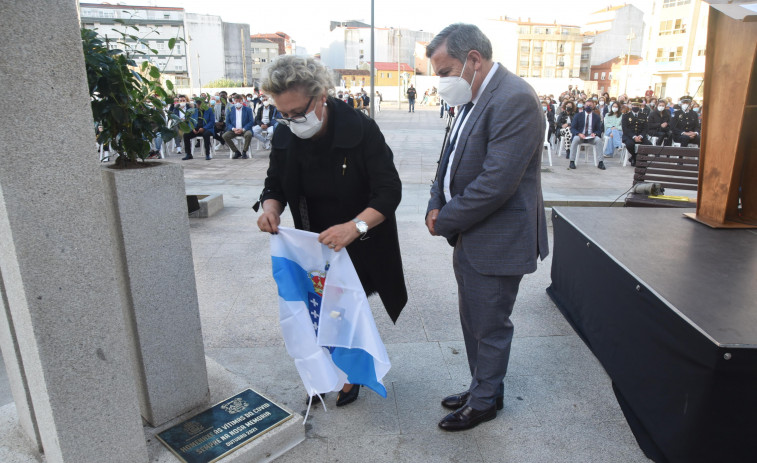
{"type": "Point", "coordinates": [487, 202]}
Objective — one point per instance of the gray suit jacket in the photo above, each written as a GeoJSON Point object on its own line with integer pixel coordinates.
{"type": "Point", "coordinates": [497, 206]}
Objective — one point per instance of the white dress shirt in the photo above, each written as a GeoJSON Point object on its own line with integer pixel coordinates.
{"type": "Point", "coordinates": [239, 118]}
{"type": "Point", "coordinates": [489, 76]}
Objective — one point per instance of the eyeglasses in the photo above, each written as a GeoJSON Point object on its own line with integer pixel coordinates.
{"type": "Point", "coordinates": [298, 118]}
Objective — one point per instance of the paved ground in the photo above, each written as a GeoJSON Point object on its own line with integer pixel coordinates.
{"type": "Point", "coordinates": [559, 405]}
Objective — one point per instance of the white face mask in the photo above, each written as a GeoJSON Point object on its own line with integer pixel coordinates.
{"type": "Point", "coordinates": [310, 127]}
{"type": "Point", "coordinates": [182, 104]}
{"type": "Point", "coordinates": [661, 108]}
{"type": "Point", "coordinates": [266, 103]}
{"type": "Point", "coordinates": [684, 106]}
{"type": "Point", "coordinates": [614, 109]}
{"type": "Point", "coordinates": [238, 105]}
{"type": "Point", "coordinates": [456, 90]}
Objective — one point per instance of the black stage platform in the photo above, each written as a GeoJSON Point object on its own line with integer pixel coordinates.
{"type": "Point", "coordinates": [669, 307]}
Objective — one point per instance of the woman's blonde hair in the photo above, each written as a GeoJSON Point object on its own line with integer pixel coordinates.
{"type": "Point", "coordinates": [295, 72]}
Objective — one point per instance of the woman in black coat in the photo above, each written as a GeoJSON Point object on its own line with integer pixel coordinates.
{"type": "Point", "coordinates": [330, 164]}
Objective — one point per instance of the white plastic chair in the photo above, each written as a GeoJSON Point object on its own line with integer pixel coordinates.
{"type": "Point", "coordinates": [583, 147]}
{"type": "Point", "coordinates": [626, 155]}
{"type": "Point", "coordinates": [547, 146]}
{"type": "Point", "coordinates": [239, 141]}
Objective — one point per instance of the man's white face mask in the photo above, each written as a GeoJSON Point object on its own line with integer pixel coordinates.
{"type": "Point", "coordinates": [456, 90]}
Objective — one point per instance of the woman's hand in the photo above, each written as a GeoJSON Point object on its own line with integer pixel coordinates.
{"type": "Point", "coordinates": [270, 219]}
{"type": "Point", "coordinates": [339, 236]}
{"type": "Point", "coordinates": [269, 222]}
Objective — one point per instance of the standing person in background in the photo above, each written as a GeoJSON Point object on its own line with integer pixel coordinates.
{"type": "Point", "coordinates": [487, 202]}
{"type": "Point", "coordinates": [411, 94]}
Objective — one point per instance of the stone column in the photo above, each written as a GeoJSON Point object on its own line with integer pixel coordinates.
{"type": "Point", "coordinates": [56, 259]}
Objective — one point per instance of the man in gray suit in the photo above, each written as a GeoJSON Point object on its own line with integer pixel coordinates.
{"type": "Point", "coordinates": [487, 201]}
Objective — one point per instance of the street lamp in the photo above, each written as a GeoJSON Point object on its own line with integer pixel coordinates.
{"type": "Point", "coordinates": [630, 38]}
{"type": "Point", "coordinates": [399, 83]}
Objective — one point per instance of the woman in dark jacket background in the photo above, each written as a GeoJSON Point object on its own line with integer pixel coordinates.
{"type": "Point", "coordinates": [330, 164]}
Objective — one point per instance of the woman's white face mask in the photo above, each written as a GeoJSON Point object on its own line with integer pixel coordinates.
{"type": "Point", "coordinates": [310, 127]}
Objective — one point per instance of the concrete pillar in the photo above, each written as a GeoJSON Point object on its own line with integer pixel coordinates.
{"type": "Point", "coordinates": [56, 259]}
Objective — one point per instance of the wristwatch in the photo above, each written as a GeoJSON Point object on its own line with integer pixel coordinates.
{"type": "Point", "coordinates": [362, 227]}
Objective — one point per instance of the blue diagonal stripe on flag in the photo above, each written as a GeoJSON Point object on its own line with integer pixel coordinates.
{"type": "Point", "coordinates": [333, 337]}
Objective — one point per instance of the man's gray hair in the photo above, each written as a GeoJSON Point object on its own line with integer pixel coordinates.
{"type": "Point", "coordinates": [461, 39]}
{"type": "Point", "coordinates": [295, 72]}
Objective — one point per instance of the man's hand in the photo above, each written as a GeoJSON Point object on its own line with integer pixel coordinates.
{"type": "Point", "coordinates": [637, 138]}
{"type": "Point", "coordinates": [200, 130]}
{"type": "Point", "coordinates": [339, 236]}
{"type": "Point", "coordinates": [664, 124]}
{"type": "Point", "coordinates": [431, 221]}
{"type": "Point", "coordinates": [264, 126]}
{"type": "Point", "coordinates": [269, 222]}
{"type": "Point", "coordinates": [581, 136]}
{"type": "Point", "coordinates": [238, 131]}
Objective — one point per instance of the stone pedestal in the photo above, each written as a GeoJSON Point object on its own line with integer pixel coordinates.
{"type": "Point", "coordinates": [148, 215]}
{"type": "Point", "coordinates": [56, 259]}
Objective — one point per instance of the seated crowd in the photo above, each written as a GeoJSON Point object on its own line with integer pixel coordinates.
{"type": "Point", "coordinates": [221, 119]}
{"type": "Point", "coordinates": [609, 123]}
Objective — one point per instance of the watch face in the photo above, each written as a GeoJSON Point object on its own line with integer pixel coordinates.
{"type": "Point", "coordinates": [362, 227]}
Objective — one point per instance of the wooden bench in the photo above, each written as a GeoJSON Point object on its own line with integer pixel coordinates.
{"type": "Point", "coordinates": [673, 168]}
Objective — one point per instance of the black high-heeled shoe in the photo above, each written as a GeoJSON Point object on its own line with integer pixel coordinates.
{"type": "Point", "coordinates": [344, 398]}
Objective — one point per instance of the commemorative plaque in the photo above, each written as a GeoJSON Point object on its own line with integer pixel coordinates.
{"type": "Point", "coordinates": [210, 435]}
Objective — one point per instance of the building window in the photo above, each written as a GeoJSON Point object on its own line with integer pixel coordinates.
{"type": "Point", "coordinates": [549, 73]}
{"type": "Point", "coordinates": [669, 55]}
{"type": "Point", "coordinates": [524, 30]}
{"type": "Point", "coordinates": [596, 75]}
{"type": "Point", "coordinates": [672, 26]}
{"type": "Point", "coordinates": [603, 76]}
{"type": "Point", "coordinates": [672, 3]}
{"type": "Point", "coordinates": [700, 52]}
{"type": "Point", "coordinates": [388, 75]}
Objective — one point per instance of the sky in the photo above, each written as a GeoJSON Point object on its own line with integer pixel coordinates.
{"type": "Point", "coordinates": [307, 21]}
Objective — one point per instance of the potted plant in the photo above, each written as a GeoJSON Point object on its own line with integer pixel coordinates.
{"type": "Point", "coordinates": [149, 226]}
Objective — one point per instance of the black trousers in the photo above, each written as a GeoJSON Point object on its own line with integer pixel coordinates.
{"type": "Point", "coordinates": [206, 135]}
{"type": "Point", "coordinates": [631, 145]}
{"type": "Point", "coordinates": [662, 136]}
{"type": "Point", "coordinates": [684, 140]}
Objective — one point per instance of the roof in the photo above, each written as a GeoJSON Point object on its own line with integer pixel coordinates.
{"type": "Point", "coordinates": [128, 7]}
{"type": "Point", "coordinates": [393, 67]}
{"type": "Point", "coordinates": [269, 36]}
{"type": "Point", "coordinates": [610, 8]}
{"type": "Point", "coordinates": [335, 24]}
{"type": "Point", "coordinates": [353, 72]}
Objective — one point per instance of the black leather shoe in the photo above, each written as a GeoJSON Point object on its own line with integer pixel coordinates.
{"type": "Point", "coordinates": [572, 165]}
{"type": "Point", "coordinates": [187, 157]}
{"type": "Point", "coordinates": [601, 165]}
{"type": "Point", "coordinates": [344, 398]}
{"type": "Point", "coordinates": [466, 418]}
{"type": "Point", "coordinates": [237, 155]}
{"type": "Point", "coordinates": [455, 401]}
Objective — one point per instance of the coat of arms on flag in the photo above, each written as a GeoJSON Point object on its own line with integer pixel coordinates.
{"type": "Point", "coordinates": [326, 322]}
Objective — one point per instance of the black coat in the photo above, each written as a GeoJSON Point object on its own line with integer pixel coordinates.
{"type": "Point", "coordinates": [655, 120]}
{"type": "Point", "coordinates": [369, 180]}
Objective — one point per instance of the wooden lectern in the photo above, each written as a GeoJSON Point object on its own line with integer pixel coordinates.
{"type": "Point", "coordinates": [727, 194]}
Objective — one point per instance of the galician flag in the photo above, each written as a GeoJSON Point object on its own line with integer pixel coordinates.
{"type": "Point", "coordinates": [325, 318]}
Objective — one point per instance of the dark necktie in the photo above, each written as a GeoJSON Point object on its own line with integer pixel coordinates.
{"type": "Point", "coordinates": [588, 120]}
{"type": "Point", "coordinates": [451, 144]}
